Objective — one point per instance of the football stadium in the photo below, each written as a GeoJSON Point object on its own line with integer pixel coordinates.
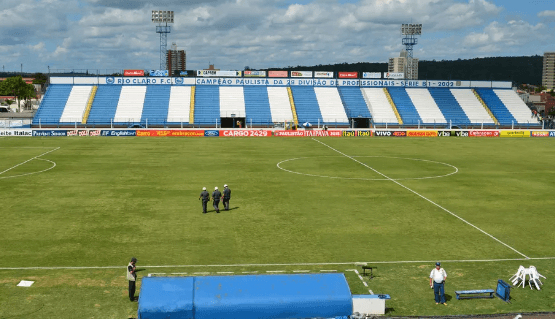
{"type": "Point", "coordinates": [347, 193]}
{"type": "Point", "coordinates": [325, 218]}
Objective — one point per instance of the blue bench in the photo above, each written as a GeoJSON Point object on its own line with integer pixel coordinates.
{"type": "Point", "coordinates": [472, 294]}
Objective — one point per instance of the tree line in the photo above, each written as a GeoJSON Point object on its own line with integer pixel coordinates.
{"type": "Point", "coordinates": [519, 70]}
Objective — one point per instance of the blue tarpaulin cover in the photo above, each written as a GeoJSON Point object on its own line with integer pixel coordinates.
{"type": "Point", "coordinates": [249, 297]}
{"type": "Point", "coordinates": [166, 297]}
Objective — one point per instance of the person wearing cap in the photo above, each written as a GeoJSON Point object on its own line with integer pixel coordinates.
{"type": "Point", "coordinates": [437, 282]}
{"type": "Point", "coordinates": [226, 197]}
{"type": "Point", "coordinates": [216, 195]}
{"type": "Point", "coordinates": [132, 277]}
{"type": "Point", "coordinates": [205, 199]}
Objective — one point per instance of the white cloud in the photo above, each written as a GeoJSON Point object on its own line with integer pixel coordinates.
{"type": "Point", "coordinates": [548, 14]}
{"type": "Point", "coordinates": [103, 34]}
{"type": "Point", "coordinates": [503, 36]}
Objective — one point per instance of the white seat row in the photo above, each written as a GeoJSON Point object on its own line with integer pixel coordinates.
{"type": "Point", "coordinates": [280, 106]}
{"type": "Point", "coordinates": [331, 106]}
{"type": "Point", "coordinates": [379, 106]}
{"type": "Point", "coordinates": [470, 104]}
{"type": "Point", "coordinates": [515, 105]}
{"type": "Point", "coordinates": [232, 101]}
{"type": "Point", "coordinates": [130, 104]}
{"type": "Point", "coordinates": [76, 103]}
{"type": "Point", "coordinates": [426, 106]}
{"type": "Point", "coordinates": [180, 104]}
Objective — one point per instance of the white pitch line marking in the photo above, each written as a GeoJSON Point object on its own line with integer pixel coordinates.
{"type": "Point", "coordinates": [250, 272]}
{"type": "Point", "coordinates": [365, 284]}
{"type": "Point", "coordinates": [301, 270]}
{"type": "Point", "coordinates": [225, 272]}
{"type": "Point", "coordinates": [275, 271]}
{"type": "Point", "coordinates": [371, 179]}
{"type": "Point", "coordinates": [370, 291]}
{"type": "Point", "coordinates": [265, 265]}
{"type": "Point", "coordinates": [328, 270]}
{"type": "Point", "coordinates": [201, 273]}
{"type": "Point", "coordinates": [9, 169]}
{"type": "Point", "coordinates": [425, 198]}
{"type": "Point", "coordinates": [178, 273]}
{"type": "Point", "coordinates": [32, 173]}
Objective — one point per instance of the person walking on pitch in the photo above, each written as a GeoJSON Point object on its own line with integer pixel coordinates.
{"type": "Point", "coordinates": [205, 199]}
{"type": "Point", "coordinates": [216, 195]}
{"type": "Point", "coordinates": [226, 197]}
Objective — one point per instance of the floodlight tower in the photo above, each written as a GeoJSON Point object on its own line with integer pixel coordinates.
{"type": "Point", "coordinates": [410, 39]}
{"type": "Point", "coordinates": [162, 18]}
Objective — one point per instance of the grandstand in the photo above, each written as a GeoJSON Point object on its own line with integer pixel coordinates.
{"type": "Point", "coordinates": [338, 103]}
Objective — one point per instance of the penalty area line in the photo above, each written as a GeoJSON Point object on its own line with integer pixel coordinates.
{"type": "Point", "coordinates": [273, 265]}
{"type": "Point", "coordinates": [425, 198]}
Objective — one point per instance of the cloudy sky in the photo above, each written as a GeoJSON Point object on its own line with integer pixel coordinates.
{"type": "Point", "coordinates": [232, 34]}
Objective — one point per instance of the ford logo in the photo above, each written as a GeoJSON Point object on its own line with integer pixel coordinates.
{"type": "Point", "coordinates": [211, 133]}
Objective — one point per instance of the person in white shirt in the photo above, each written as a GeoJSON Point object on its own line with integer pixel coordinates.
{"type": "Point", "coordinates": [437, 282]}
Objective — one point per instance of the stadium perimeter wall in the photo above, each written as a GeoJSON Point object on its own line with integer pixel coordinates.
{"type": "Point", "coordinates": [272, 133]}
{"type": "Point", "coordinates": [177, 81]}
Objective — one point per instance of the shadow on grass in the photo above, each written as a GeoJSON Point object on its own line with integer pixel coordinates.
{"type": "Point", "coordinates": [222, 210]}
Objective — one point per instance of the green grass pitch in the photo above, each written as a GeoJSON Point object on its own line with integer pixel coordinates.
{"type": "Point", "coordinates": [96, 202]}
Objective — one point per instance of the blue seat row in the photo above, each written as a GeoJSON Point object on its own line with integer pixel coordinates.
{"type": "Point", "coordinates": [496, 107]}
{"type": "Point", "coordinates": [53, 105]}
{"type": "Point", "coordinates": [448, 105]}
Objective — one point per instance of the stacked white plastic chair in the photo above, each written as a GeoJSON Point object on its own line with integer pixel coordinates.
{"type": "Point", "coordinates": [533, 277]}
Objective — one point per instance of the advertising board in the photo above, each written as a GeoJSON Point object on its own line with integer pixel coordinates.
{"type": "Point", "coordinates": [172, 133]}
{"type": "Point", "coordinates": [422, 133]}
{"type": "Point", "coordinates": [72, 133]}
{"type": "Point", "coordinates": [539, 134]}
{"type": "Point", "coordinates": [483, 134]}
{"type": "Point", "coordinates": [254, 74]}
{"type": "Point", "coordinates": [301, 74]}
{"type": "Point", "coordinates": [277, 74]}
{"type": "Point", "coordinates": [49, 133]}
{"type": "Point", "coordinates": [462, 133]}
{"type": "Point", "coordinates": [19, 133]}
{"type": "Point", "coordinates": [390, 133]}
{"type": "Point", "coordinates": [133, 72]}
{"type": "Point", "coordinates": [514, 134]}
{"type": "Point", "coordinates": [371, 75]}
{"type": "Point", "coordinates": [392, 75]}
{"type": "Point", "coordinates": [357, 133]}
{"type": "Point", "coordinates": [118, 133]}
{"type": "Point", "coordinates": [347, 75]}
{"type": "Point", "coordinates": [322, 74]}
{"type": "Point", "coordinates": [159, 73]}
{"type": "Point", "coordinates": [234, 74]}
{"type": "Point", "coordinates": [211, 133]}
{"type": "Point", "coordinates": [552, 134]}
{"type": "Point", "coordinates": [302, 133]}
{"type": "Point", "coordinates": [245, 133]}
{"type": "Point", "coordinates": [445, 133]}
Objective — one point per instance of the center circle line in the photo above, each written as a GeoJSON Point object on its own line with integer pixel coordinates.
{"type": "Point", "coordinates": [456, 170]}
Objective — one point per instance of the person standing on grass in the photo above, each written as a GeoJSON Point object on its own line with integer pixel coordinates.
{"type": "Point", "coordinates": [216, 196]}
{"type": "Point", "coordinates": [132, 277]}
{"type": "Point", "coordinates": [226, 197]}
{"type": "Point", "coordinates": [437, 282]}
{"type": "Point", "coordinates": [205, 199]}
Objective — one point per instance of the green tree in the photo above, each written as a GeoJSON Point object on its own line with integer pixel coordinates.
{"type": "Point", "coordinates": [15, 86]}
